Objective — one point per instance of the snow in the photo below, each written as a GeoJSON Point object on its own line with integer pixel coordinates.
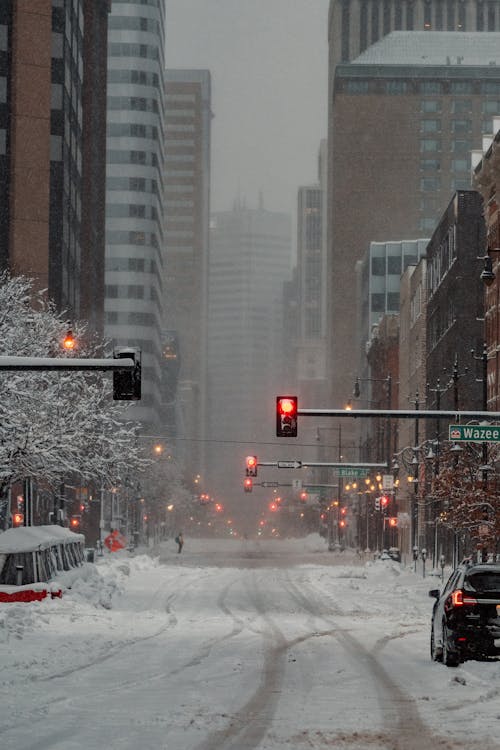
{"type": "Point", "coordinates": [238, 644]}
{"type": "Point", "coordinates": [29, 538]}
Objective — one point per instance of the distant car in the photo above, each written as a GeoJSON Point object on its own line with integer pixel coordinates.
{"type": "Point", "coordinates": [466, 614]}
{"type": "Point", "coordinates": [395, 554]}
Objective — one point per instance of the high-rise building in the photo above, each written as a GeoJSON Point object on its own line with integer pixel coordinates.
{"type": "Point", "coordinates": [250, 260]}
{"type": "Point", "coordinates": [135, 189]}
{"type": "Point", "coordinates": [356, 24]}
{"type": "Point", "coordinates": [187, 192]}
{"type": "Point", "coordinates": [311, 298]}
{"type": "Point", "coordinates": [406, 114]}
{"type": "Point", "coordinates": [52, 130]}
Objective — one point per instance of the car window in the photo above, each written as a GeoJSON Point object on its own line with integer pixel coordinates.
{"type": "Point", "coordinates": [483, 581]}
{"type": "Point", "coordinates": [451, 581]}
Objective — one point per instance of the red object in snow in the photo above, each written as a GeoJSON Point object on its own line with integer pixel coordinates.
{"type": "Point", "coordinates": [28, 595]}
{"type": "Point", "coordinates": [115, 541]}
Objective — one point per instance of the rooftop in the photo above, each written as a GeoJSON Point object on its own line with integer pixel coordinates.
{"type": "Point", "coordinates": [453, 48]}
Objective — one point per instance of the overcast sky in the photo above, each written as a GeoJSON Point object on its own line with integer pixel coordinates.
{"type": "Point", "coordinates": [268, 60]}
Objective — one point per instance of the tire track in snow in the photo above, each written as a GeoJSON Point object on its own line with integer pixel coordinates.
{"type": "Point", "coordinates": [404, 729]}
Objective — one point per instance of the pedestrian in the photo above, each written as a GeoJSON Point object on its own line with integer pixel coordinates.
{"type": "Point", "coordinates": [179, 539]}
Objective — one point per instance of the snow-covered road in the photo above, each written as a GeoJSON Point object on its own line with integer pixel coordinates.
{"type": "Point", "coordinates": [235, 646]}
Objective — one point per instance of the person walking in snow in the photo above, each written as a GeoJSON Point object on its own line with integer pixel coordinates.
{"type": "Point", "coordinates": [180, 541]}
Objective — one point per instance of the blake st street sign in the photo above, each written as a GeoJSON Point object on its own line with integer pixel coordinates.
{"type": "Point", "coordinates": [476, 433]}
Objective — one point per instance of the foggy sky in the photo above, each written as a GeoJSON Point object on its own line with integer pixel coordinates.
{"type": "Point", "coordinates": [269, 65]}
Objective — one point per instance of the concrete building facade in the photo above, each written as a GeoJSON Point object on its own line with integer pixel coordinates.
{"type": "Point", "coordinates": [135, 241]}
{"type": "Point", "coordinates": [188, 118]}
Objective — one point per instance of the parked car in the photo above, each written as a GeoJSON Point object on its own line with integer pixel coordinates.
{"type": "Point", "coordinates": [466, 614]}
{"type": "Point", "coordinates": [395, 554]}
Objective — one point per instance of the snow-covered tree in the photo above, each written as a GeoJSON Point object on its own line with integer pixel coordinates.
{"type": "Point", "coordinates": [470, 501]}
{"type": "Point", "coordinates": [54, 424]}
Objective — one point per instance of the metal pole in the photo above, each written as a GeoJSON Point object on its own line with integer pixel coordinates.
{"type": "Point", "coordinates": [484, 452]}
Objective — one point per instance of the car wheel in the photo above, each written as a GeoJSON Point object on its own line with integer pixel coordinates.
{"type": "Point", "coordinates": [450, 658]}
{"type": "Point", "coordinates": [436, 653]}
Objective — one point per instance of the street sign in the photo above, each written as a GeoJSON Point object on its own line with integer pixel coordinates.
{"type": "Point", "coordinates": [269, 484]}
{"type": "Point", "coordinates": [289, 464]}
{"type": "Point", "coordinates": [351, 471]}
{"type": "Point", "coordinates": [476, 433]}
{"type": "Point", "coordinates": [387, 482]}
{"type": "Point", "coordinates": [297, 484]}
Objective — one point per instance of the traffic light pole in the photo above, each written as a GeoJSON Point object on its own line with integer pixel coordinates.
{"type": "Point", "coordinates": [30, 364]}
{"type": "Point", "coordinates": [488, 416]}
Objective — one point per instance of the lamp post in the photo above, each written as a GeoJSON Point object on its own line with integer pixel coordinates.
{"type": "Point", "coordinates": [483, 358]}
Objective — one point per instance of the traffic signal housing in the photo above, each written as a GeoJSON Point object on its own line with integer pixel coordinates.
{"type": "Point", "coordinates": [17, 519]}
{"type": "Point", "coordinates": [286, 416]}
{"type": "Point", "coordinates": [127, 383]}
{"type": "Point", "coordinates": [248, 484]}
{"type": "Point", "coordinates": [251, 466]}
{"type": "Point", "coordinates": [384, 502]}
{"type": "Point", "coordinates": [377, 503]}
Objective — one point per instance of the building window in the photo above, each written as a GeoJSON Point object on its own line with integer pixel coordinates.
{"type": "Point", "coordinates": [491, 107]}
{"type": "Point", "coordinates": [394, 265]}
{"type": "Point", "coordinates": [430, 144]}
{"type": "Point", "coordinates": [460, 165]}
{"type": "Point", "coordinates": [378, 302]}
{"type": "Point", "coordinates": [357, 87]}
{"type": "Point", "coordinates": [490, 87]}
{"type": "Point", "coordinates": [392, 301]}
{"type": "Point", "coordinates": [430, 165]}
{"type": "Point", "coordinates": [378, 266]}
{"type": "Point", "coordinates": [429, 184]}
{"type": "Point", "coordinates": [430, 105]}
{"type": "Point", "coordinates": [461, 126]}
{"type": "Point", "coordinates": [460, 145]}
{"type": "Point", "coordinates": [430, 126]}
{"type": "Point", "coordinates": [431, 87]}
{"type": "Point", "coordinates": [394, 88]}
{"type": "Point", "coordinates": [461, 106]}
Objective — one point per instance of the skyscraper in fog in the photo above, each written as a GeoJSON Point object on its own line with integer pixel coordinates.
{"type": "Point", "coordinates": [250, 259]}
{"type": "Point", "coordinates": [135, 189]}
{"type": "Point", "coordinates": [187, 194]}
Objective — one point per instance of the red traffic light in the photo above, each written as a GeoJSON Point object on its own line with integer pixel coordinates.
{"type": "Point", "coordinates": [74, 522]}
{"type": "Point", "coordinates": [286, 416]}
{"type": "Point", "coordinates": [247, 484]}
{"type": "Point", "coordinates": [393, 521]}
{"type": "Point", "coordinates": [18, 519]}
{"type": "Point", "coordinates": [303, 497]}
{"type": "Point", "coordinates": [252, 463]}
{"type": "Point", "coordinates": [384, 501]}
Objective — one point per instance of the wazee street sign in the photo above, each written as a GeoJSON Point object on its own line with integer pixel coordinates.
{"type": "Point", "coordinates": [476, 433]}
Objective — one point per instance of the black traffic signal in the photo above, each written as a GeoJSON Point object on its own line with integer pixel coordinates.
{"type": "Point", "coordinates": [127, 383]}
{"type": "Point", "coordinates": [251, 468]}
{"type": "Point", "coordinates": [248, 484]}
{"type": "Point", "coordinates": [286, 416]}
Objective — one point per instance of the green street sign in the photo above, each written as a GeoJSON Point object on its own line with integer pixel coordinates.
{"type": "Point", "coordinates": [475, 433]}
{"type": "Point", "coordinates": [352, 472]}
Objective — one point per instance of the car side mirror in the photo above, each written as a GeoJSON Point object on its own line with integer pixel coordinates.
{"type": "Point", "coordinates": [434, 593]}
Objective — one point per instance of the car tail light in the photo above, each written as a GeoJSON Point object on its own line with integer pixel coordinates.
{"type": "Point", "coordinates": [458, 599]}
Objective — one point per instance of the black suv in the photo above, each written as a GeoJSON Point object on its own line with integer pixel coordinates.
{"type": "Point", "coordinates": [466, 614]}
